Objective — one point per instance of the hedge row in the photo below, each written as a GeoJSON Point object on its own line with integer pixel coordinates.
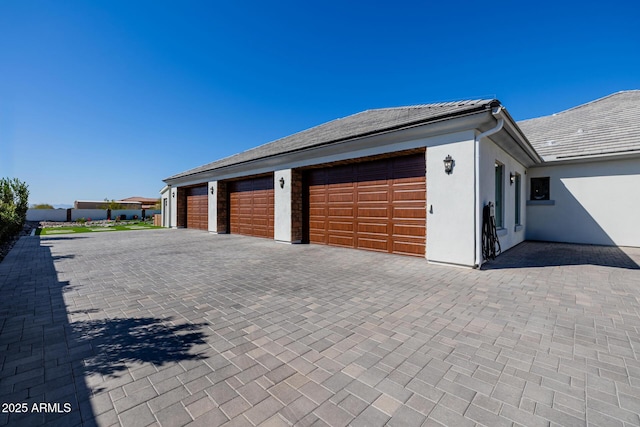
{"type": "Point", "coordinates": [14, 202]}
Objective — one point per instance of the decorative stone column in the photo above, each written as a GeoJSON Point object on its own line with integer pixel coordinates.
{"type": "Point", "coordinates": [222, 210]}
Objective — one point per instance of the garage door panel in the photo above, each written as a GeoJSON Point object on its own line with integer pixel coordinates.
{"type": "Point", "coordinates": [408, 248]}
{"type": "Point", "coordinates": [316, 212]}
{"type": "Point", "coordinates": [340, 212]}
{"type": "Point", "coordinates": [409, 213]}
{"type": "Point", "coordinates": [373, 196]}
{"type": "Point", "coordinates": [407, 230]}
{"type": "Point", "coordinates": [374, 228]}
{"type": "Point", "coordinates": [384, 207]}
{"type": "Point", "coordinates": [410, 195]}
{"type": "Point", "coordinates": [341, 240]}
{"type": "Point", "coordinates": [373, 212]}
{"type": "Point", "coordinates": [381, 244]}
{"type": "Point", "coordinates": [252, 207]}
{"type": "Point", "coordinates": [341, 197]}
{"type": "Point", "coordinates": [336, 226]}
{"type": "Point", "coordinates": [197, 208]}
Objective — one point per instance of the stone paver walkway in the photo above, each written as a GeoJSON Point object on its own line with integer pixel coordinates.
{"type": "Point", "coordinates": [179, 327]}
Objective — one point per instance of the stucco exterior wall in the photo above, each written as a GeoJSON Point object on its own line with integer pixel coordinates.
{"type": "Point", "coordinates": [47, 215]}
{"type": "Point", "coordinates": [165, 210]}
{"type": "Point", "coordinates": [594, 203]}
{"type": "Point", "coordinates": [450, 200]}
{"type": "Point", "coordinates": [212, 206]}
{"type": "Point", "coordinates": [282, 205]}
{"type": "Point", "coordinates": [173, 207]}
{"type": "Point", "coordinates": [510, 234]}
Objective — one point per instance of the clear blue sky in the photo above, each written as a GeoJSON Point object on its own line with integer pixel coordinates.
{"type": "Point", "coordinates": [107, 98]}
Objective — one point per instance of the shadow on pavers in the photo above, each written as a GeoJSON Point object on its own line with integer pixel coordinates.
{"type": "Point", "coordinates": [550, 254]}
{"type": "Point", "coordinates": [44, 358]}
{"type": "Point", "coordinates": [112, 343]}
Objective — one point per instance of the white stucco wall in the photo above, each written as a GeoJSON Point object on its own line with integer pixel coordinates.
{"type": "Point", "coordinates": [95, 214]}
{"type": "Point", "coordinates": [47, 215]}
{"type": "Point", "coordinates": [594, 203]}
{"type": "Point", "coordinates": [213, 206]}
{"type": "Point", "coordinates": [509, 235]}
{"type": "Point", "coordinates": [164, 205]}
{"type": "Point", "coordinates": [450, 200]}
{"type": "Point", "coordinates": [173, 207]}
{"type": "Point", "coordinates": [282, 206]}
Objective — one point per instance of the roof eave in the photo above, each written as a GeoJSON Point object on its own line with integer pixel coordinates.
{"type": "Point", "coordinates": [554, 160]}
{"type": "Point", "coordinates": [306, 157]}
{"type": "Point", "coordinates": [461, 113]}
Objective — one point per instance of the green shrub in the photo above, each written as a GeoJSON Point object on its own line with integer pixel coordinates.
{"type": "Point", "coordinates": [42, 206]}
{"type": "Point", "coordinates": [14, 202]}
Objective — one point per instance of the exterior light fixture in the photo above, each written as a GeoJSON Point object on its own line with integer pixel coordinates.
{"type": "Point", "coordinates": [512, 178]}
{"type": "Point", "coordinates": [448, 164]}
{"type": "Point", "coordinates": [281, 182]}
{"type": "Point", "coordinates": [173, 194]}
{"type": "Point", "coordinates": [212, 189]}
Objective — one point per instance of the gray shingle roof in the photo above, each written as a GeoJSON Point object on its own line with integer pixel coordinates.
{"type": "Point", "coordinates": [357, 125]}
{"type": "Point", "coordinates": [605, 126]}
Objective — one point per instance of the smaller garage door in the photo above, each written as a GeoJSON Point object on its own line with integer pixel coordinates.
{"type": "Point", "coordinates": [197, 208]}
{"type": "Point", "coordinates": [252, 207]}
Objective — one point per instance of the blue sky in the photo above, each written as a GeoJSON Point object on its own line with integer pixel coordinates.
{"type": "Point", "coordinates": [104, 99]}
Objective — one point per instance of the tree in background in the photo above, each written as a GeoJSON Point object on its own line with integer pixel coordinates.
{"type": "Point", "coordinates": [42, 206]}
{"type": "Point", "coordinates": [158, 205]}
{"type": "Point", "coordinates": [14, 202]}
{"type": "Point", "coordinates": [111, 206]}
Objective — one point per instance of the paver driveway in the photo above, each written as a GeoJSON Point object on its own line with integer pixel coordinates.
{"type": "Point", "coordinates": [176, 327]}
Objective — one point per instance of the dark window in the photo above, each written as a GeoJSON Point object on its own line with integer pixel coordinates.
{"type": "Point", "coordinates": [499, 202]}
{"type": "Point", "coordinates": [540, 188]}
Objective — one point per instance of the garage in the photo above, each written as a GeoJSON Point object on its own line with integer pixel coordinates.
{"type": "Point", "coordinates": [378, 205]}
{"type": "Point", "coordinates": [251, 207]}
{"type": "Point", "coordinates": [197, 208]}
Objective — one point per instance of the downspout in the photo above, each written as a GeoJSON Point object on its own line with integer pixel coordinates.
{"type": "Point", "coordinates": [478, 209]}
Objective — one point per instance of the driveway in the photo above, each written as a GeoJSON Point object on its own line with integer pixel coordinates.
{"type": "Point", "coordinates": [180, 327]}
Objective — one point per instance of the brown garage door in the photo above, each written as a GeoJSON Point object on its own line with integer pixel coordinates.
{"type": "Point", "coordinates": [251, 207]}
{"type": "Point", "coordinates": [197, 208]}
{"type": "Point", "coordinates": [378, 205]}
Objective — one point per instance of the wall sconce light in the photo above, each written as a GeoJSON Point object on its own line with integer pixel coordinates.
{"type": "Point", "coordinates": [448, 164]}
{"type": "Point", "coordinates": [281, 182]}
{"type": "Point", "coordinates": [173, 194]}
{"type": "Point", "coordinates": [212, 190]}
{"type": "Point", "coordinates": [512, 178]}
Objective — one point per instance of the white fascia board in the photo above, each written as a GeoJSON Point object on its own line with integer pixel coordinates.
{"type": "Point", "coordinates": [165, 189]}
{"type": "Point", "coordinates": [388, 142]}
{"type": "Point", "coordinates": [554, 161]}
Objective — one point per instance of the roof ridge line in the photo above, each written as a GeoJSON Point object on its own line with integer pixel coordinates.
{"type": "Point", "coordinates": [582, 105]}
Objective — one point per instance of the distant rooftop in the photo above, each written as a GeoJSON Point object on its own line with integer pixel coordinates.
{"type": "Point", "coordinates": [362, 124]}
{"type": "Point", "coordinates": [609, 125]}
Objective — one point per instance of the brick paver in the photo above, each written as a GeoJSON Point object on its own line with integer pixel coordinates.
{"type": "Point", "coordinates": [179, 327]}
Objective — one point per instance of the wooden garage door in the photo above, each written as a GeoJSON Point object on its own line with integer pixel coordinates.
{"type": "Point", "coordinates": [197, 208]}
{"type": "Point", "coordinates": [251, 207]}
{"type": "Point", "coordinates": [379, 205]}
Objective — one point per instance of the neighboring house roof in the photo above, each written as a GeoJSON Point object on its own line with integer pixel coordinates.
{"type": "Point", "coordinates": [606, 126]}
{"type": "Point", "coordinates": [143, 200]}
{"type": "Point", "coordinates": [105, 201]}
{"type": "Point", "coordinates": [369, 122]}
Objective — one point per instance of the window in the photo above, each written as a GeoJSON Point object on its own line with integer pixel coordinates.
{"type": "Point", "coordinates": [499, 202]}
{"type": "Point", "coordinates": [518, 197]}
{"type": "Point", "coordinates": [540, 188]}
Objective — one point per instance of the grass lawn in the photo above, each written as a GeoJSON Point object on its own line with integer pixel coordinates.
{"type": "Point", "coordinates": [90, 229]}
